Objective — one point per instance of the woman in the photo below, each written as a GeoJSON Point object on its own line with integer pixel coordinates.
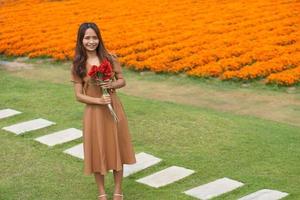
{"type": "Point", "coordinates": [107, 143]}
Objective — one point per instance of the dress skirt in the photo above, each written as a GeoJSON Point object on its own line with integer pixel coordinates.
{"type": "Point", "coordinates": [107, 144]}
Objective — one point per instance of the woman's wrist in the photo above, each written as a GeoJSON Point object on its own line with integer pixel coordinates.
{"type": "Point", "coordinates": [114, 85]}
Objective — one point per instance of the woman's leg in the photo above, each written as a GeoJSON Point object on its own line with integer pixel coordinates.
{"type": "Point", "coordinates": [100, 183]}
{"type": "Point", "coordinates": [118, 176]}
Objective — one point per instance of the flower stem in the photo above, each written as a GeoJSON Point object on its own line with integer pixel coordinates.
{"type": "Point", "coordinates": [105, 93]}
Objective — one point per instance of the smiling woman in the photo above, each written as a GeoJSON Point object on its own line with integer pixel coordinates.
{"type": "Point", "coordinates": [107, 143]}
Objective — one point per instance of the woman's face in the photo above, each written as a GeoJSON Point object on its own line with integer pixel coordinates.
{"type": "Point", "coordinates": [90, 40]}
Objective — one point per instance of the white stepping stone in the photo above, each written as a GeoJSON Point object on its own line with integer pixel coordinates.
{"type": "Point", "coordinates": [143, 161]}
{"type": "Point", "coordinates": [60, 137]}
{"type": "Point", "coordinates": [213, 189]}
{"type": "Point", "coordinates": [28, 126]}
{"type": "Point", "coordinates": [265, 194]}
{"type": "Point", "coordinates": [8, 113]}
{"type": "Point", "coordinates": [166, 176]}
{"type": "Point", "coordinates": [76, 151]}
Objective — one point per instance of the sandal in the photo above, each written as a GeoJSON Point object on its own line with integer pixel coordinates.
{"type": "Point", "coordinates": [102, 195]}
{"type": "Point", "coordinates": [121, 195]}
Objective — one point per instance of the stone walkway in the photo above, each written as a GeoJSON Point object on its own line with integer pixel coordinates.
{"type": "Point", "coordinates": [144, 160]}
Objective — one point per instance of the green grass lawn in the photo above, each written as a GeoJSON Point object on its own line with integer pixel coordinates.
{"type": "Point", "coordinates": [259, 153]}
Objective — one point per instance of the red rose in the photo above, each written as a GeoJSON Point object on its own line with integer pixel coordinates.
{"type": "Point", "coordinates": [93, 71]}
{"type": "Point", "coordinates": [104, 71]}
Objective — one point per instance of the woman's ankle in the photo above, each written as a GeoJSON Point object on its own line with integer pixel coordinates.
{"type": "Point", "coordinates": [101, 192]}
{"type": "Point", "coordinates": [118, 191]}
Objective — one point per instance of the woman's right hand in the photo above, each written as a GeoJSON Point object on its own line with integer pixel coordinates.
{"type": "Point", "coordinates": [105, 100]}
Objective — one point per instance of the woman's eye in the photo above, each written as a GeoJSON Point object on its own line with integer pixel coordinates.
{"type": "Point", "coordinates": [87, 38]}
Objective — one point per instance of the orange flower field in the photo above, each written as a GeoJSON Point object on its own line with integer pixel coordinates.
{"type": "Point", "coordinates": [228, 39]}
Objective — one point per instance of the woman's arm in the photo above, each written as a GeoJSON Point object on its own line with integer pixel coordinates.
{"type": "Point", "coordinates": [78, 88]}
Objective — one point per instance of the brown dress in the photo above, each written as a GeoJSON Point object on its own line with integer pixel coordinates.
{"type": "Point", "coordinates": [107, 144]}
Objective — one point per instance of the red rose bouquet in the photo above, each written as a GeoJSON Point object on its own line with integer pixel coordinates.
{"type": "Point", "coordinates": [100, 74]}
